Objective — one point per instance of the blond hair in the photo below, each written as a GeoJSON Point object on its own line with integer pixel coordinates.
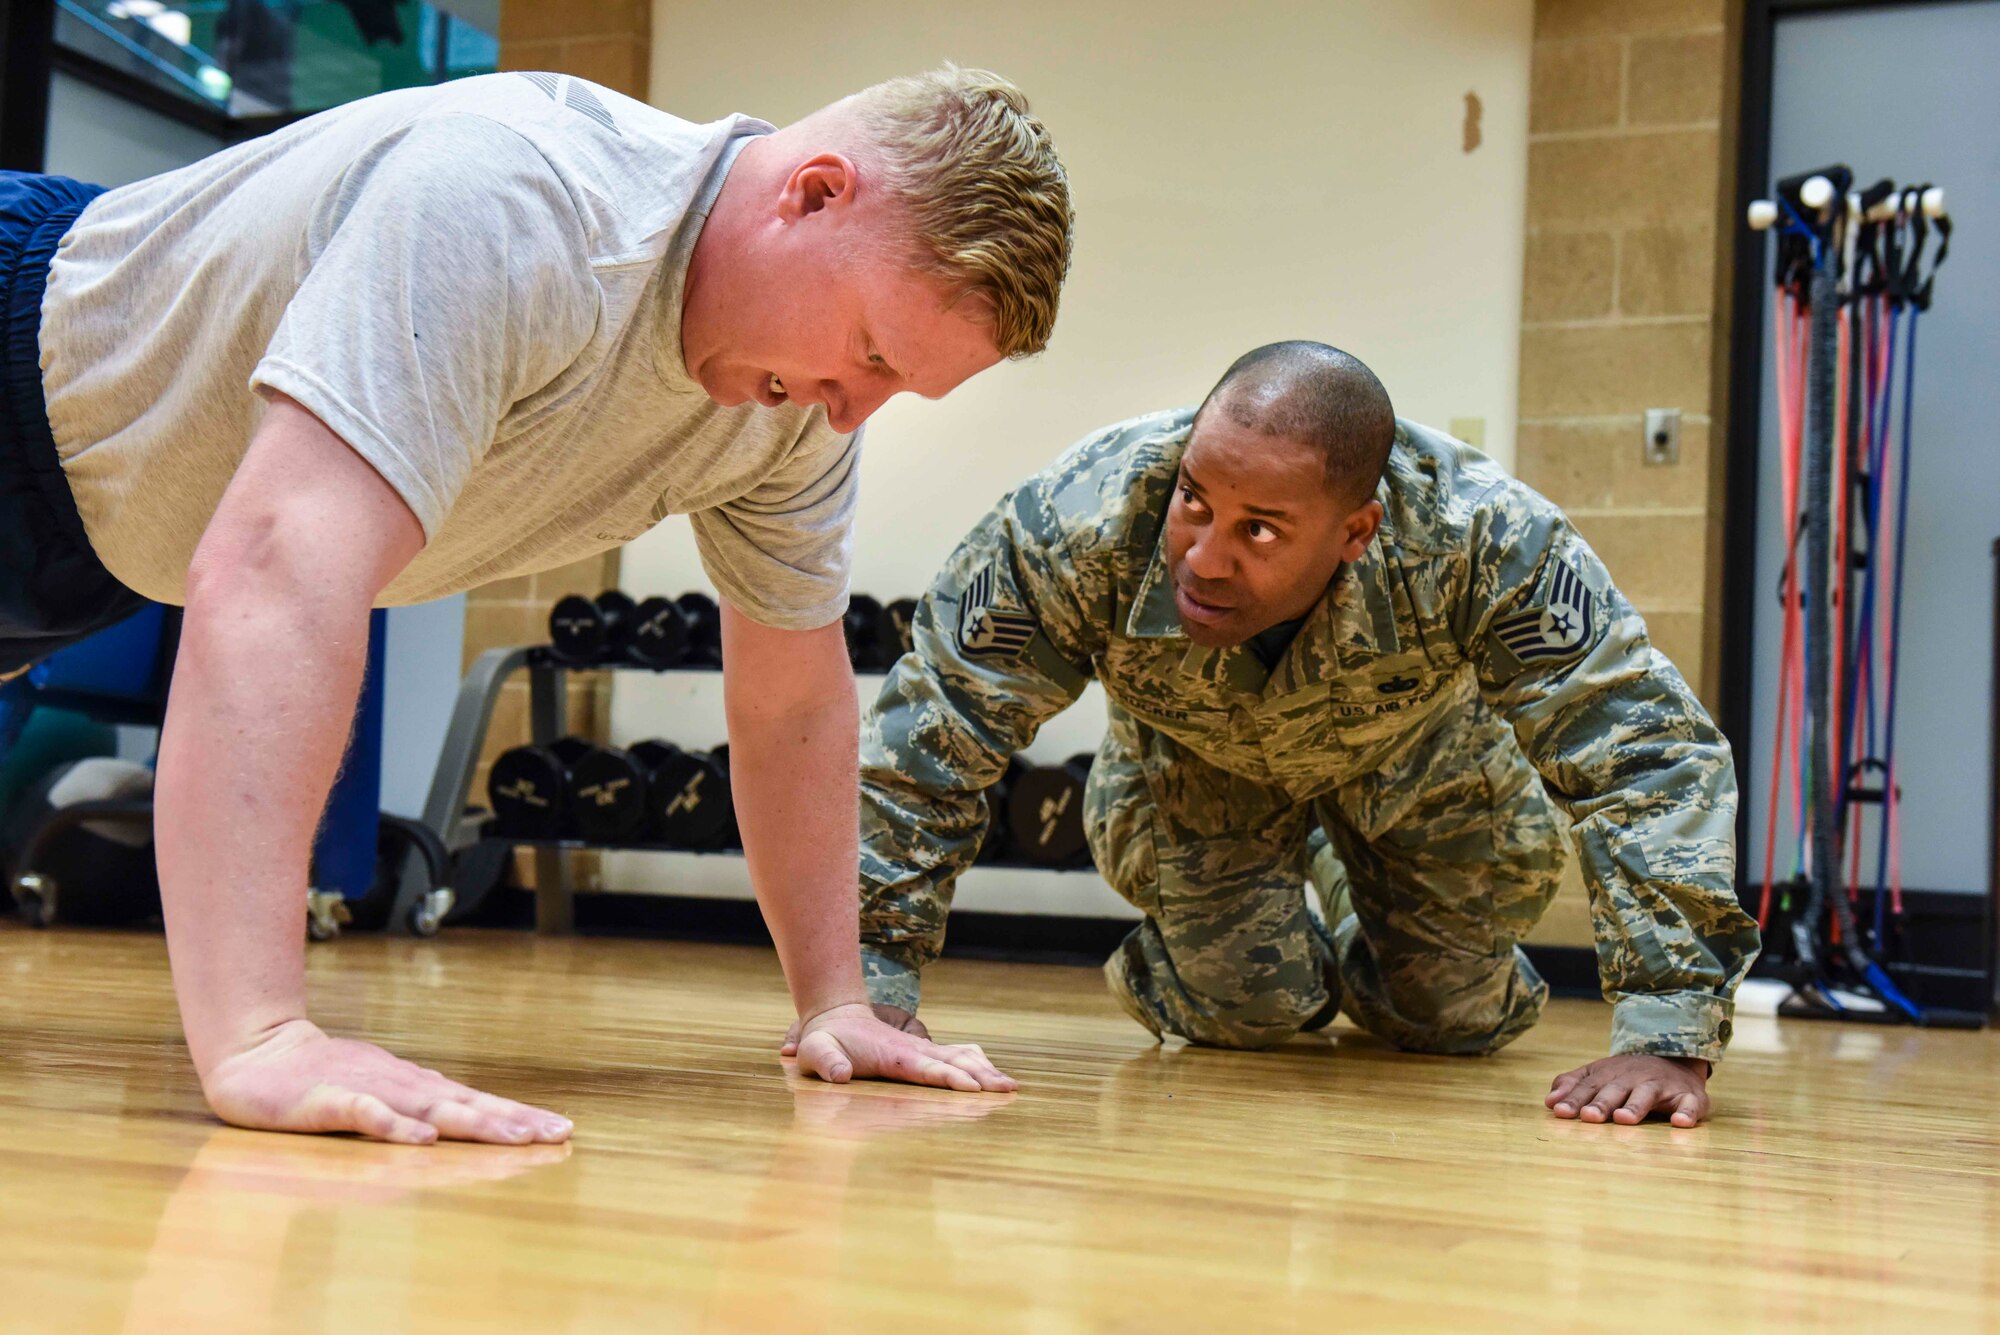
{"type": "Point", "coordinates": [987, 198]}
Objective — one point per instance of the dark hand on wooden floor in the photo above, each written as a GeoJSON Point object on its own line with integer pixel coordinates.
{"type": "Point", "coordinates": [854, 1043]}
{"type": "Point", "coordinates": [297, 1078]}
{"type": "Point", "coordinates": [1626, 1089]}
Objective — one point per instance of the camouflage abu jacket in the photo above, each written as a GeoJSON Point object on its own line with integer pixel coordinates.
{"type": "Point", "coordinates": [1474, 586]}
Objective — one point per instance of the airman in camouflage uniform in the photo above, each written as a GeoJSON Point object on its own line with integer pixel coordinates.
{"type": "Point", "coordinates": [1475, 663]}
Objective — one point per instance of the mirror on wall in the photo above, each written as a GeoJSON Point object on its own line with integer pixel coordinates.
{"type": "Point", "coordinates": [250, 60]}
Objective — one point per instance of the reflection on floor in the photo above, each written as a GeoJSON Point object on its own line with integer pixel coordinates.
{"type": "Point", "coordinates": [1851, 1178]}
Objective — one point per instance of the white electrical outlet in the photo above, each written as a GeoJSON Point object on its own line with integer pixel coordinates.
{"type": "Point", "coordinates": [1663, 436]}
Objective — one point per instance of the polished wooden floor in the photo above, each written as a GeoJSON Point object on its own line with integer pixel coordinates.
{"type": "Point", "coordinates": [1851, 1179]}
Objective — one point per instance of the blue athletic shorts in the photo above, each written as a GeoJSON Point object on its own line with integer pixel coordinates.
{"type": "Point", "coordinates": [53, 589]}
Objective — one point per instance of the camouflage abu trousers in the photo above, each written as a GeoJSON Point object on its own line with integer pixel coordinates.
{"type": "Point", "coordinates": [1429, 871]}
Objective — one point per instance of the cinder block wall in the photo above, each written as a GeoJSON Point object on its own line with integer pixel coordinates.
{"type": "Point", "coordinates": [608, 42]}
{"type": "Point", "coordinates": [1631, 147]}
{"type": "Point", "coordinates": [1623, 307]}
{"type": "Point", "coordinates": [605, 41]}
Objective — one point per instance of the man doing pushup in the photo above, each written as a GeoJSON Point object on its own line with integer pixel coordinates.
{"type": "Point", "coordinates": [445, 336]}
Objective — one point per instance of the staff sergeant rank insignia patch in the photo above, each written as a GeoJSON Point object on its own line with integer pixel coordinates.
{"type": "Point", "coordinates": [1555, 630]}
{"type": "Point", "coordinates": [984, 631]}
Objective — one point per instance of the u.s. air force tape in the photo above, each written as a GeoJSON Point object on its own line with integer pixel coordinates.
{"type": "Point", "coordinates": [983, 630]}
{"type": "Point", "coordinates": [1556, 628]}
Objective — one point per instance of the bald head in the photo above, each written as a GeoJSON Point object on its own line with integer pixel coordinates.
{"type": "Point", "coordinates": [1318, 396]}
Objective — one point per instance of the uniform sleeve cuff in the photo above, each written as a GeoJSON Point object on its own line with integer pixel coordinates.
{"type": "Point", "coordinates": [1672, 1024]}
{"type": "Point", "coordinates": [890, 982]}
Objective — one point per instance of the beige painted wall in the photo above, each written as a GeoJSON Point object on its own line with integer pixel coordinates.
{"type": "Point", "coordinates": [1630, 212]}
{"type": "Point", "coordinates": [1241, 173]}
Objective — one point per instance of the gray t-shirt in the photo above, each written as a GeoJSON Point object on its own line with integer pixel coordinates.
{"type": "Point", "coordinates": [478, 287]}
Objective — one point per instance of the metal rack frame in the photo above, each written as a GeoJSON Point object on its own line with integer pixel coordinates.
{"type": "Point", "coordinates": [458, 759]}
{"type": "Point", "coordinates": [555, 895]}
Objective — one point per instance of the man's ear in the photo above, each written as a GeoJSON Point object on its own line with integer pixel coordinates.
{"type": "Point", "coordinates": [1359, 530]}
{"type": "Point", "coordinates": [821, 181]}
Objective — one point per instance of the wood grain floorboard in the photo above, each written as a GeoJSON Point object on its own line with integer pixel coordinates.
{"type": "Point", "coordinates": [1850, 1179]}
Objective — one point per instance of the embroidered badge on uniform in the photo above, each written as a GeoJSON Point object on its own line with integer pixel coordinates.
{"type": "Point", "coordinates": [984, 631]}
{"type": "Point", "coordinates": [1558, 628]}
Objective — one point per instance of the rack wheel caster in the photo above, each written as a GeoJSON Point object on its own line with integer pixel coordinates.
{"type": "Point", "coordinates": [326, 914]}
{"type": "Point", "coordinates": [431, 911]}
{"type": "Point", "coordinates": [35, 899]}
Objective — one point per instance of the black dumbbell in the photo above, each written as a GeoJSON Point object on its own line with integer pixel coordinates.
{"type": "Point", "coordinates": [657, 634]}
{"type": "Point", "coordinates": [585, 632]}
{"type": "Point", "coordinates": [650, 756]}
{"type": "Point", "coordinates": [528, 789]}
{"type": "Point", "coordinates": [861, 625]}
{"type": "Point", "coordinates": [687, 796]}
{"type": "Point", "coordinates": [720, 756]}
{"type": "Point", "coordinates": [606, 792]}
{"type": "Point", "coordinates": [895, 630]}
{"type": "Point", "coordinates": [704, 627]}
{"type": "Point", "coordinates": [995, 846]}
{"type": "Point", "coordinates": [1045, 814]}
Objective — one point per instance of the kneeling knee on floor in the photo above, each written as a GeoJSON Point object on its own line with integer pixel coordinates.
{"type": "Point", "coordinates": [1265, 1025]}
{"type": "Point", "coordinates": [1453, 1041]}
{"type": "Point", "coordinates": [1465, 1029]}
{"type": "Point", "coordinates": [1220, 1032]}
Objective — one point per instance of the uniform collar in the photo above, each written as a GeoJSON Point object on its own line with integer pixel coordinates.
{"type": "Point", "coordinates": [1354, 624]}
{"type": "Point", "coordinates": [1154, 616]}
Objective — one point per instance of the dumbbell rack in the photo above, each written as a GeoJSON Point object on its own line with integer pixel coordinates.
{"type": "Point", "coordinates": [458, 760]}
{"type": "Point", "coordinates": [717, 874]}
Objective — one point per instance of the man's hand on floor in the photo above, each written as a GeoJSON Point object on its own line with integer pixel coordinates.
{"type": "Point", "coordinates": [894, 1016]}
{"type": "Point", "coordinates": [884, 1043]}
{"type": "Point", "coordinates": [296, 1078]}
{"type": "Point", "coordinates": [1626, 1089]}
